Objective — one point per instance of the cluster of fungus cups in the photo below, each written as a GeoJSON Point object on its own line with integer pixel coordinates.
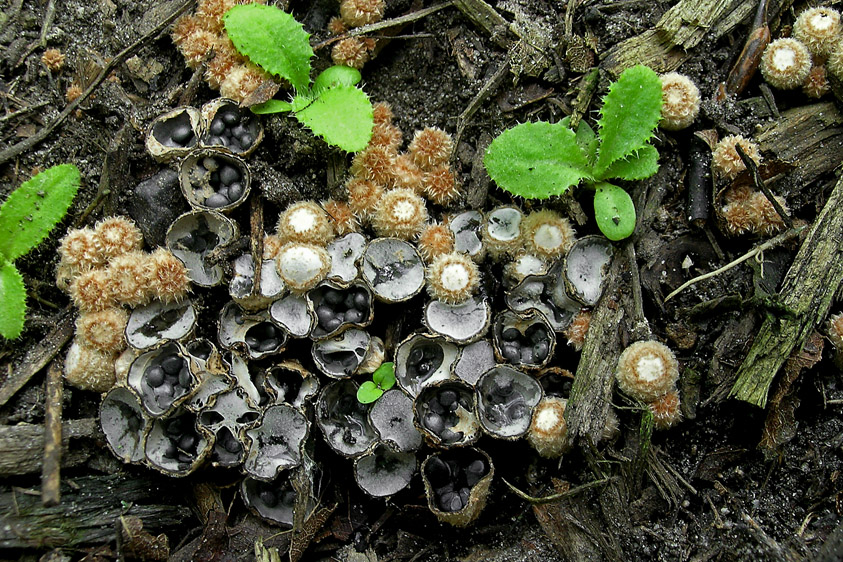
{"type": "Point", "coordinates": [298, 334]}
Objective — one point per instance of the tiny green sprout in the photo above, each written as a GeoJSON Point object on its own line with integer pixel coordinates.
{"type": "Point", "coordinates": [26, 218]}
{"type": "Point", "coordinates": [333, 108]}
{"type": "Point", "coordinates": [540, 160]}
{"type": "Point", "coordinates": [382, 380]}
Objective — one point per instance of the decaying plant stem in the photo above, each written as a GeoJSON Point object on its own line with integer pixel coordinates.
{"type": "Point", "coordinates": [51, 469]}
{"type": "Point", "coordinates": [808, 290]}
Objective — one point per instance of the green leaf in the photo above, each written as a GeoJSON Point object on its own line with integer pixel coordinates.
{"type": "Point", "coordinates": [341, 115]}
{"type": "Point", "coordinates": [12, 301]}
{"type": "Point", "coordinates": [641, 164]}
{"type": "Point", "coordinates": [272, 39]}
{"type": "Point", "coordinates": [630, 114]}
{"type": "Point", "coordinates": [271, 106]}
{"type": "Point", "coordinates": [536, 160]}
{"type": "Point", "coordinates": [33, 209]}
{"type": "Point", "coordinates": [614, 211]}
{"type": "Point", "coordinates": [384, 376]}
{"type": "Point", "coordinates": [368, 392]}
{"type": "Point", "coordinates": [586, 138]}
{"type": "Point", "coordinates": [336, 75]}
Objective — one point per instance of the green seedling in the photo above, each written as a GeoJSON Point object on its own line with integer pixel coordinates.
{"type": "Point", "coordinates": [26, 218]}
{"type": "Point", "coordinates": [540, 160]}
{"type": "Point", "coordinates": [382, 380]}
{"type": "Point", "coordinates": [333, 107]}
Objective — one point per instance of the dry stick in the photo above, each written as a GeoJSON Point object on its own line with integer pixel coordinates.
{"type": "Point", "coordinates": [772, 243]}
{"type": "Point", "coordinates": [256, 220]}
{"type": "Point", "coordinates": [15, 150]}
{"type": "Point", "coordinates": [51, 470]}
{"type": "Point", "coordinates": [807, 291]}
{"type": "Point", "coordinates": [362, 30]}
{"type": "Point", "coordinates": [752, 167]}
{"type": "Point", "coordinates": [556, 497]}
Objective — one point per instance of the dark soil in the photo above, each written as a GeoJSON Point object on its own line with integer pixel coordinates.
{"type": "Point", "coordinates": [704, 491]}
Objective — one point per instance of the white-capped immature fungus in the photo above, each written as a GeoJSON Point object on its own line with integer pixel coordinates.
{"type": "Point", "coordinates": [785, 63]}
{"type": "Point", "coordinates": [546, 234]}
{"type": "Point", "coordinates": [818, 28]}
{"type": "Point", "coordinates": [168, 277]}
{"type": "Point", "coordinates": [79, 251]}
{"type": "Point", "coordinates": [666, 410]}
{"type": "Point", "coordinates": [834, 63]}
{"type": "Point", "coordinates": [271, 244]}
{"type": "Point", "coordinates": [440, 185]}
{"type": "Point", "coordinates": [434, 240]}
{"type": "Point", "coordinates": [726, 160]}
{"type": "Point", "coordinates": [399, 213]}
{"type": "Point", "coordinates": [522, 265]}
{"type": "Point", "coordinates": [548, 430]}
{"type": "Point", "coordinates": [302, 266]}
{"type": "Point", "coordinates": [103, 330]}
{"type": "Point", "coordinates": [647, 370]}
{"type": "Point", "coordinates": [430, 148]}
{"type": "Point", "coordinates": [87, 368]}
{"type": "Point", "coordinates": [115, 236]}
{"type": "Point", "coordinates": [452, 278]}
{"type": "Point", "coordinates": [680, 101]}
{"type": "Point", "coordinates": [305, 221]}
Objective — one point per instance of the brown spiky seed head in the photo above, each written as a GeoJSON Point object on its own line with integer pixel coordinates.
{"type": "Point", "coordinates": [834, 64]}
{"type": "Point", "coordinates": [336, 26]}
{"type": "Point", "coordinates": [577, 329]}
{"type": "Point", "coordinates": [431, 147]}
{"type": "Point", "coordinates": [399, 213]}
{"type": "Point", "coordinates": [754, 214]}
{"type": "Point", "coordinates": [406, 174]}
{"type": "Point", "coordinates": [452, 278]}
{"type": "Point", "coordinates": [726, 160]}
{"type": "Point", "coordinates": [78, 250]}
{"type": "Point", "coordinates": [342, 216]}
{"type": "Point", "coordinates": [387, 136]}
{"type": "Point", "coordinates": [548, 430]}
{"type": "Point", "coordinates": [547, 234]}
{"type": "Point", "coordinates": [92, 291]}
{"type": "Point", "coordinates": [363, 197]}
{"type": "Point", "coordinates": [785, 63]}
{"type": "Point", "coordinates": [307, 222]}
{"type": "Point", "coordinates": [374, 163]}
{"type": "Point", "coordinates": [816, 84]}
{"type": "Point", "coordinates": [220, 67]}
{"type": "Point", "coordinates": [680, 101]}
{"type": "Point", "coordinates": [87, 368]}
{"type": "Point", "coordinates": [818, 28]}
{"type": "Point", "coordinates": [116, 236]}
{"type": "Point", "coordinates": [382, 113]}
{"type": "Point", "coordinates": [435, 239]}
{"type": "Point", "coordinates": [197, 45]}
{"type": "Point", "coordinates": [835, 331]}
{"type": "Point", "coordinates": [73, 92]}
{"type": "Point", "coordinates": [355, 13]}
{"type": "Point", "coordinates": [350, 52]}
{"type": "Point", "coordinates": [302, 266]}
{"type": "Point", "coordinates": [271, 244]}
{"type": "Point", "coordinates": [242, 81]}
{"type": "Point", "coordinates": [183, 27]}
{"type": "Point", "coordinates": [103, 330]}
{"type": "Point", "coordinates": [666, 410]}
{"type": "Point", "coordinates": [440, 186]}
{"type": "Point", "coordinates": [129, 278]}
{"type": "Point", "coordinates": [53, 59]}
{"type": "Point", "coordinates": [647, 370]}
{"type": "Point", "coordinates": [168, 276]}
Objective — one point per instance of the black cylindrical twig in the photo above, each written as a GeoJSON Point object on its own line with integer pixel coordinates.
{"type": "Point", "coordinates": [699, 182]}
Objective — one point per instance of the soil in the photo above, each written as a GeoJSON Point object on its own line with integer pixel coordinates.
{"type": "Point", "coordinates": [703, 490]}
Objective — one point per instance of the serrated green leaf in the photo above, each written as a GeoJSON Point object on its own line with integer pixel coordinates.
{"type": "Point", "coordinates": [630, 114]}
{"type": "Point", "coordinates": [614, 211]}
{"type": "Point", "coordinates": [586, 138]}
{"type": "Point", "coordinates": [272, 39]}
{"type": "Point", "coordinates": [536, 160]}
{"type": "Point", "coordinates": [33, 209]}
{"type": "Point", "coordinates": [384, 376]}
{"type": "Point", "coordinates": [335, 75]}
{"type": "Point", "coordinates": [341, 115]}
{"type": "Point", "coordinates": [271, 106]}
{"type": "Point", "coordinates": [12, 301]}
{"type": "Point", "coordinates": [368, 392]}
{"type": "Point", "coordinates": [641, 164]}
